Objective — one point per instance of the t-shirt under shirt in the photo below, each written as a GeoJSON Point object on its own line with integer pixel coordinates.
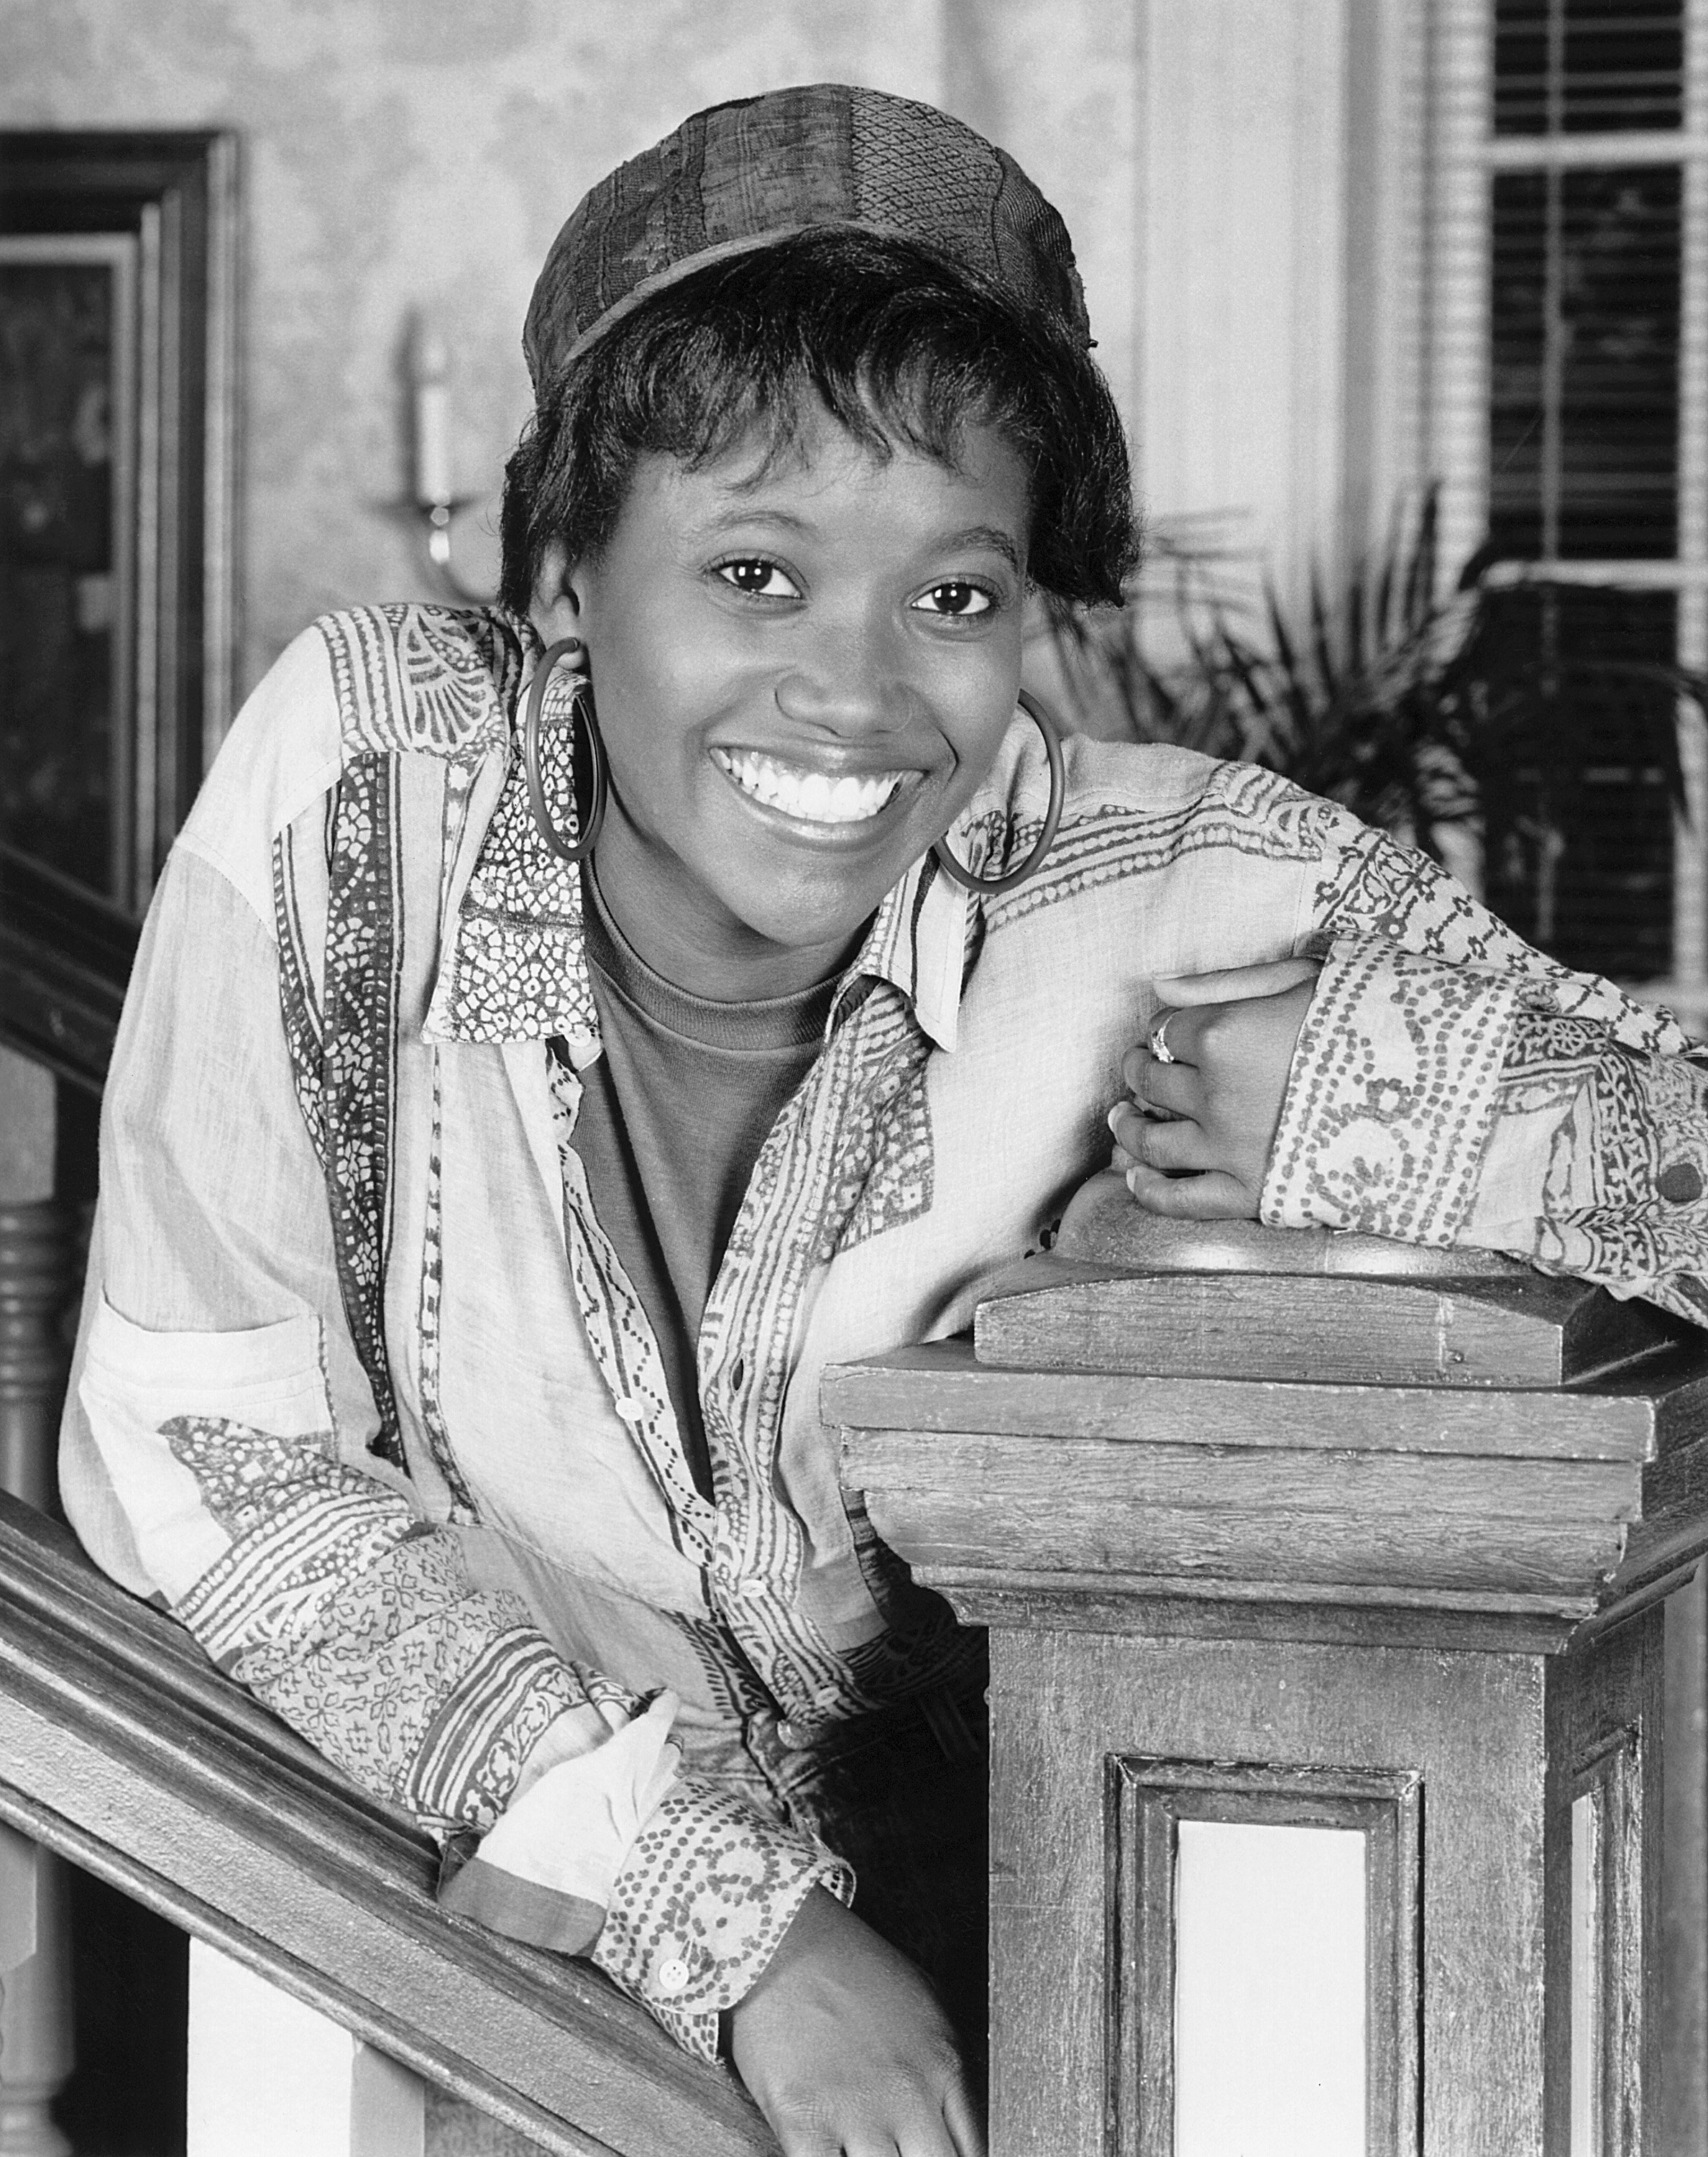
{"type": "Point", "coordinates": [672, 1118]}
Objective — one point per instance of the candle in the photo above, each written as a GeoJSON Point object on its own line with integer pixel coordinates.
{"type": "Point", "coordinates": [431, 371]}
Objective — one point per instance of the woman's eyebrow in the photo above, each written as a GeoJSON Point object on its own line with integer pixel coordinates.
{"type": "Point", "coordinates": [971, 536]}
{"type": "Point", "coordinates": [984, 535]}
{"type": "Point", "coordinates": [749, 513]}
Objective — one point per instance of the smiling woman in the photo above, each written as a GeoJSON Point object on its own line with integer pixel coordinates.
{"type": "Point", "coordinates": [804, 665]}
{"type": "Point", "coordinates": [790, 503]}
{"type": "Point", "coordinates": [560, 1033]}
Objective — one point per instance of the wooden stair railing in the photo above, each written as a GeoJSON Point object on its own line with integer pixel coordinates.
{"type": "Point", "coordinates": [124, 1750]}
{"type": "Point", "coordinates": [65, 956]}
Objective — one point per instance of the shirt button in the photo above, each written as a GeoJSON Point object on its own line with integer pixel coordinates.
{"type": "Point", "coordinates": [750, 1590]}
{"type": "Point", "coordinates": [628, 1408]}
{"type": "Point", "coordinates": [791, 1735]}
{"type": "Point", "coordinates": [671, 1976]}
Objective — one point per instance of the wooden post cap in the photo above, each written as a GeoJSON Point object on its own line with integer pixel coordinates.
{"type": "Point", "coordinates": [1104, 1225]}
{"type": "Point", "coordinates": [1125, 1290]}
{"type": "Point", "coordinates": [1160, 1416]}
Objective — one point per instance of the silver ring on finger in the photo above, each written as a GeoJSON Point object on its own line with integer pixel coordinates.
{"type": "Point", "coordinates": [1157, 1042]}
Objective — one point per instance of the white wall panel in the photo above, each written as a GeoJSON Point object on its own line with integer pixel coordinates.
{"type": "Point", "coordinates": [1242, 221]}
{"type": "Point", "coordinates": [1269, 2002]}
{"type": "Point", "coordinates": [1058, 87]}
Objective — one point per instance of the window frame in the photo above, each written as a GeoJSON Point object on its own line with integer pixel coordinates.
{"type": "Point", "coordinates": [1464, 154]}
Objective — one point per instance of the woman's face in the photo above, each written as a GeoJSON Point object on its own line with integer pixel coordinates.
{"type": "Point", "coordinates": [801, 675]}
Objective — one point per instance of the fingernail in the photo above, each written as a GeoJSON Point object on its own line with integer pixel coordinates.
{"type": "Point", "coordinates": [1113, 1116]}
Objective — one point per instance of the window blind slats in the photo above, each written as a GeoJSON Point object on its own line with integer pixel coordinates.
{"type": "Point", "coordinates": [1585, 285]}
{"type": "Point", "coordinates": [1588, 66]}
{"type": "Point", "coordinates": [1584, 385]}
{"type": "Point", "coordinates": [1583, 866]}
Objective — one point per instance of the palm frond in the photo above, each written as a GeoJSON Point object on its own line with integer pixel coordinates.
{"type": "Point", "coordinates": [1419, 709]}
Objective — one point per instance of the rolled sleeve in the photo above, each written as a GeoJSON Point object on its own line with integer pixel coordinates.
{"type": "Point", "coordinates": [1394, 1090]}
{"type": "Point", "coordinates": [679, 1892]}
{"type": "Point", "coordinates": [1442, 1103]}
{"type": "Point", "coordinates": [1597, 1164]}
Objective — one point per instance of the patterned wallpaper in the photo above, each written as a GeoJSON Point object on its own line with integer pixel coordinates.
{"type": "Point", "coordinates": [400, 154]}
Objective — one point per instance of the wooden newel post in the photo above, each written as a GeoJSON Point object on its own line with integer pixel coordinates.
{"type": "Point", "coordinates": [1325, 1597]}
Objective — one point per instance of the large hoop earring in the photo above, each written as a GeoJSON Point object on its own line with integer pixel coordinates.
{"type": "Point", "coordinates": [1051, 729]}
{"type": "Point", "coordinates": [587, 730]}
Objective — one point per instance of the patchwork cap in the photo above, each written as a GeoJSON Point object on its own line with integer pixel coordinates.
{"type": "Point", "coordinates": [745, 175]}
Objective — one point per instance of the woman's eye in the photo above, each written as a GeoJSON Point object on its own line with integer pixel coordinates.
{"type": "Point", "coordinates": [760, 580]}
{"type": "Point", "coordinates": [955, 599]}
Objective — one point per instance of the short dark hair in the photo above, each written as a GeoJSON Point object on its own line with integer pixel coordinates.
{"type": "Point", "coordinates": [900, 346]}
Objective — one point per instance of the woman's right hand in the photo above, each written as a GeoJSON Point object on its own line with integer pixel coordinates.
{"type": "Point", "coordinates": [844, 2048]}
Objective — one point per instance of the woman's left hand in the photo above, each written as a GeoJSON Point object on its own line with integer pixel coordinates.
{"type": "Point", "coordinates": [1194, 1141]}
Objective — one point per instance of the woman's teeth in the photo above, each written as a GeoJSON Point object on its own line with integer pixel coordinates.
{"type": "Point", "coordinates": [809, 795]}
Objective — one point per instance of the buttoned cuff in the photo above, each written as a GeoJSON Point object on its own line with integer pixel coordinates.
{"type": "Point", "coordinates": [1393, 1091]}
{"type": "Point", "coordinates": [709, 1889]}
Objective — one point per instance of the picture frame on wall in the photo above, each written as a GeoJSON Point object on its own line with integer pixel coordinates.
{"type": "Point", "coordinates": [118, 393]}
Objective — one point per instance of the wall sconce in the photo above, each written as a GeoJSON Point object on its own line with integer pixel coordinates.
{"type": "Point", "coordinates": [436, 501]}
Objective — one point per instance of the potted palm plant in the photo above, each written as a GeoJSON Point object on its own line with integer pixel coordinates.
{"type": "Point", "coordinates": [1523, 730]}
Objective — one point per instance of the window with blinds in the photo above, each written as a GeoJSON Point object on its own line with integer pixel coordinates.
{"type": "Point", "coordinates": [1587, 67]}
{"type": "Point", "coordinates": [1592, 224]}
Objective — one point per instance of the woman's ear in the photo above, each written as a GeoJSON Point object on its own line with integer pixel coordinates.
{"type": "Point", "coordinates": [557, 605]}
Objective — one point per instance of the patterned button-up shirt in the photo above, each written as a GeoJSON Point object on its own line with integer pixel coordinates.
{"type": "Point", "coordinates": [364, 1396]}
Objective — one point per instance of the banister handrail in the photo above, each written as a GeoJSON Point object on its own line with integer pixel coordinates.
{"type": "Point", "coordinates": [65, 956]}
{"type": "Point", "coordinates": [122, 1748]}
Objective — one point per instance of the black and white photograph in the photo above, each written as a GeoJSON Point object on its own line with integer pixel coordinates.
{"type": "Point", "coordinates": [853, 1079]}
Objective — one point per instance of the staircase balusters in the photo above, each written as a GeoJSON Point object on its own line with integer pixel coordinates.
{"type": "Point", "coordinates": [36, 2036]}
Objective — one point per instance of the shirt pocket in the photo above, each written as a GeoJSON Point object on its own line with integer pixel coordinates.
{"type": "Point", "coordinates": [265, 1379]}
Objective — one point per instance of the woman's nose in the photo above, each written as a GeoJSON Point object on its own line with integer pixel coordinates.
{"type": "Point", "coordinates": [844, 682]}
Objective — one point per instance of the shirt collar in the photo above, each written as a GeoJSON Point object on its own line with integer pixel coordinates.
{"type": "Point", "coordinates": [513, 962]}
{"type": "Point", "coordinates": [918, 942]}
